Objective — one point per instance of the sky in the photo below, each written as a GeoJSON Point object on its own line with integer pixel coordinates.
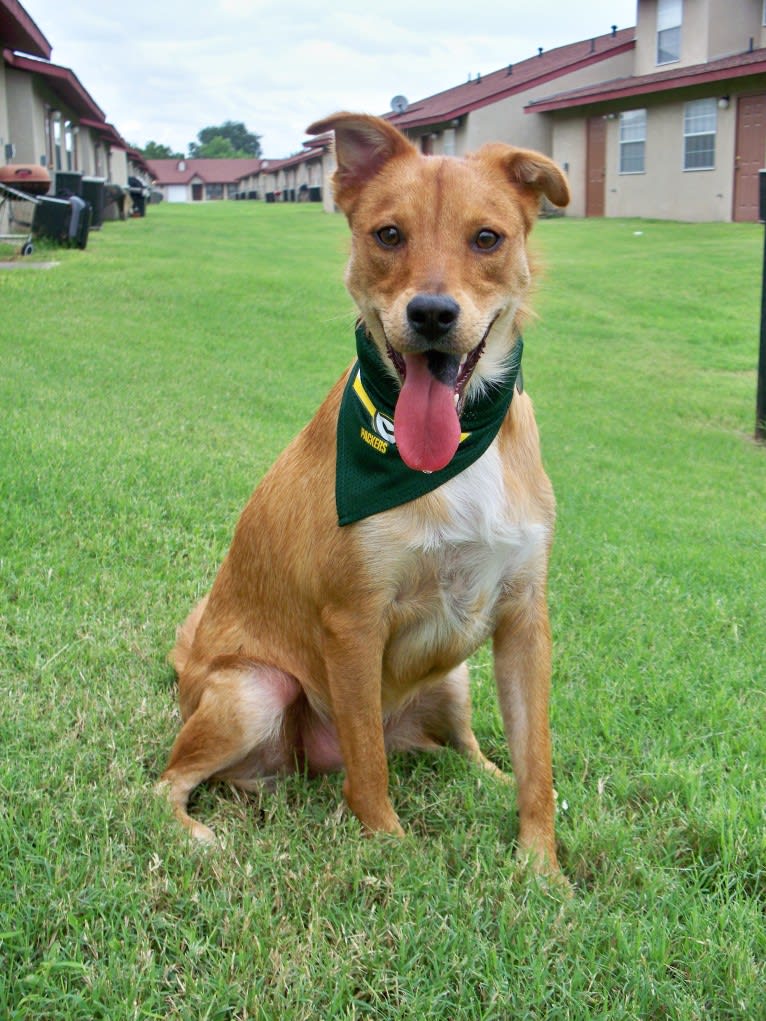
{"type": "Point", "coordinates": [161, 70]}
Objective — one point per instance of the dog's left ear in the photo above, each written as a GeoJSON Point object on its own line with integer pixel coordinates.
{"type": "Point", "coordinates": [363, 144]}
{"type": "Point", "coordinates": [531, 172]}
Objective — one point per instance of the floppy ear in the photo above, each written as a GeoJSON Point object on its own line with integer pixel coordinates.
{"type": "Point", "coordinates": [534, 174]}
{"type": "Point", "coordinates": [363, 144]}
{"type": "Point", "coordinates": [540, 174]}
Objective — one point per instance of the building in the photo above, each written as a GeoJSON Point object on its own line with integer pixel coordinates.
{"type": "Point", "coordinates": [683, 136]}
{"type": "Point", "coordinates": [491, 107]}
{"type": "Point", "coordinates": [47, 117]}
{"type": "Point", "coordinates": [666, 120]}
{"type": "Point", "coordinates": [201, 180]}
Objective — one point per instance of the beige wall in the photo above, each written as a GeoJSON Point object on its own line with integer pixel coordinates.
{"type": "Point", "coordinates": [4, 134]}
{"type": "Point", "coordinates": [26, 117]}
{"type": "Point", "coordinates": [569, 151]}
{"type": "Point", "coordinates": [710, 29]}
{"type": "Point", "coordinates": [328, 169]}
{"type": "Point", "coordinates": [118, 165]}
{"type": "Point", "coordinates": [665, 190]}
{"type": "Point", "coordinates": [682, 194]}
{"type": "Point", "coordinates": [729, 34]}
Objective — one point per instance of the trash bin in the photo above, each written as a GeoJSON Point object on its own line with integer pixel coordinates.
{"type": "Point", "coordinates": [94, 193]}
{"type": "Point", "coordinates": [138, 194]}
{"type": "Point", "coordinates": [68, 182]}
{"type": "Point", "coordinates": [51, 219]}
{"type": "Point", "coordinates": [65, 221]}
{"type": "Point", "coordinates": [115, 201]}
{"type": "Point", "coordinates": [79, 224]}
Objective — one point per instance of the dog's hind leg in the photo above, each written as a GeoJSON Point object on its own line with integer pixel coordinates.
{"type": "Point", "coordinates": [242, 710]}
{"type": "Point", "coordinates": [439, 716]}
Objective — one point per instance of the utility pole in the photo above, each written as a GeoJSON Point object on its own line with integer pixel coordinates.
{"type": "Point", "coordinates": [760, 395]}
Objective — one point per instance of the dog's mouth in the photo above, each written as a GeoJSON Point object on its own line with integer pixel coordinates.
{"type": "Point", "coordinates": [426, 418]}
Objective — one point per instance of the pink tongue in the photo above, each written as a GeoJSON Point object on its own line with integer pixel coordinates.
{"type": "Point", "coordinates": [426, 426]}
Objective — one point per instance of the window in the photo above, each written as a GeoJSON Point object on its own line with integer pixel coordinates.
{"type": "Point", "coordinates": [632, 141]}
{"type": "Point", "coordinates": [700, 118]}
{"type": "Point", "coordinates": [69, 145]}
{"type": "Point", "coordinates": [669, 14]}
{"type": "Point", "coordinates": [763, 16]}
{"type": "Point", "coordinates": [57, 147]}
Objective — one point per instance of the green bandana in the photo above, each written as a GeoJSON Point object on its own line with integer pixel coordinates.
{"type": "Point", "coordinates": [370, 475]}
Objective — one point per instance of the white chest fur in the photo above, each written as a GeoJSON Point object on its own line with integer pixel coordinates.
{"type": "Point", "coordinates": [453, 567]}
{"type": "Point", "coordinates": [482, 546]}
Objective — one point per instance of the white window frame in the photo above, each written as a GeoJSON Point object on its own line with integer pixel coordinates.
{"type": "Point", "coordinates": [669, 19]}
{"type": "Point", "coordinates": [763, 16]}
{"type": "Point", "coordinates": [695, 113]}
{"type": "Point", "coordinates": [632, 134]}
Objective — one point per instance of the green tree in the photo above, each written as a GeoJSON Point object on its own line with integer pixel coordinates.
{"type": "Point", "coordinates": [217, 148]}
{"type": "Point", "coordinates": [157, 151]}
{"type": "Point", "coordinates": [241, 141]}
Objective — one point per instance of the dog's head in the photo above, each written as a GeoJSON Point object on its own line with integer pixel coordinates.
{"type": "Point", "coordinates": [438, 266]}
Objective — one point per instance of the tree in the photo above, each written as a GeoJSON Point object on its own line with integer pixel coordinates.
{"type": "Point", "coordinates": [242, 143]}
{"type": "Point", "coordinates": [157, 151]}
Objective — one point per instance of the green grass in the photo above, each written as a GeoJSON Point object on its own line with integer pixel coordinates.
{"type": "Point", "coordinates": [146, 385]}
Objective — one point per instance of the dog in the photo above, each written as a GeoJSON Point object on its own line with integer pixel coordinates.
{"type": "Point", "coordinates": [411, 519]}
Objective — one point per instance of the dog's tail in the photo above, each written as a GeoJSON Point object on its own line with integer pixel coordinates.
{"type": "Point", "coordinates": [179, 655]}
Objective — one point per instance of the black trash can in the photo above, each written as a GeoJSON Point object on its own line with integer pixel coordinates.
{"type": "Point", "coordinates": [79, 225]}
{"type": "Point", "coordinates": [51, 220]}
{"type": "Point", "coordinates": [94, 193]}
{"type": "Point", "coordinates": [68, 182]}
{"type": "Point", "coordinates": [138, 192]}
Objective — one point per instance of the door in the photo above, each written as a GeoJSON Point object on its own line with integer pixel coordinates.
{"type": "Point", "coordinates": [750, 156]}
{"type": "Point", "coordinates": [595, 167]}
{"type": "Point", "coordinates": [196, 193]}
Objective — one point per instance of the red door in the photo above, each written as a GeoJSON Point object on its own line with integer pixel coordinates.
{"type": "Point", "coordinates": [750, 156]}
{"type": "Point", "coordinates": [595, 167]}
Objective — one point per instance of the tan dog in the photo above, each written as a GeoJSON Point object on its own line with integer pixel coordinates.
{"type": "Point", "coordinates": [324, 645]}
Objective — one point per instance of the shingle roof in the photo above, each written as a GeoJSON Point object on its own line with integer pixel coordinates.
{"type": "Point", "coordinates": [63, 81]}
{"type": "Point", "coordinates": [520, 77]}
{"type": "Point", "coordinates": [209, 171]}
{"type": "Point", "coordinates": [752, 62]}
{"type": "Point", "coordinates": [19, 32]}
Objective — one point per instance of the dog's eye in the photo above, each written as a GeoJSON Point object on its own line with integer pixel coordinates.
{"type": "Point", "coordinates": [389, 236]}
{"type": "Point", "coordinates": [486, 240]}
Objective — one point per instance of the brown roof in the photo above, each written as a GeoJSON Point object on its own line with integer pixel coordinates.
{"type": "Point", "coordinates": [107, 131]}
{"type": "Point", "coordinates": [226, 171]}
{"type": "Point", "coordinates": [742, 65]}
{"type": "Point", "coordinates": [62, 81]}
{"type": "Point", "coordinates": [19, 32]}
{"type": "Point", "coordinates": [291, 161]}
{"type": "Point", "coordinates": [527, 74]}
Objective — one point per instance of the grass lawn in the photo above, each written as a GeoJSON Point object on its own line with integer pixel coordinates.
{"type": "Point", "coordinates": [145, 386]}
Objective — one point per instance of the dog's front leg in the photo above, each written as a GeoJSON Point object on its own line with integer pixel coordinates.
{"type": "Point", "coordinates": [353, 658]}
{"type": "Point", "coordinates": [522, 653]}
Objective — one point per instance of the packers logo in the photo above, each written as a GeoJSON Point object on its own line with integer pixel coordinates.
{"type": "Point", "coordinates": [384, 427]}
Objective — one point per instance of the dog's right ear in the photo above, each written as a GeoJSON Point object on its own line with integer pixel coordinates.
{"type": "Point", "coordinates": [363, 144]}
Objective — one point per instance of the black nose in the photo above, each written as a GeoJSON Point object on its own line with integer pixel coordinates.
{"type": "Point", "coordinates": [431, 316]}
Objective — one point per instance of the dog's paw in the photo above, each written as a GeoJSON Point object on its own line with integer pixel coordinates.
{"type": "Point", "coordinates": [197, 831]}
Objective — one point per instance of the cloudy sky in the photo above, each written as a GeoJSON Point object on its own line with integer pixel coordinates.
{"type": "Point", "coordinates": [163, 69]}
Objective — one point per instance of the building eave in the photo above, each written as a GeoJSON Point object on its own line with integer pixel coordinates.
{"type": "Point", "coordinates": [629, 88]}
{"type": "Point", "coordinates": [19, 32]}
{"type": "Point", "coordinates": [62, 81]}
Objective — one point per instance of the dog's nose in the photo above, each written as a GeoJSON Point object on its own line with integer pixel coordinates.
{"type": "Point", "coordinates": [431, 316]}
